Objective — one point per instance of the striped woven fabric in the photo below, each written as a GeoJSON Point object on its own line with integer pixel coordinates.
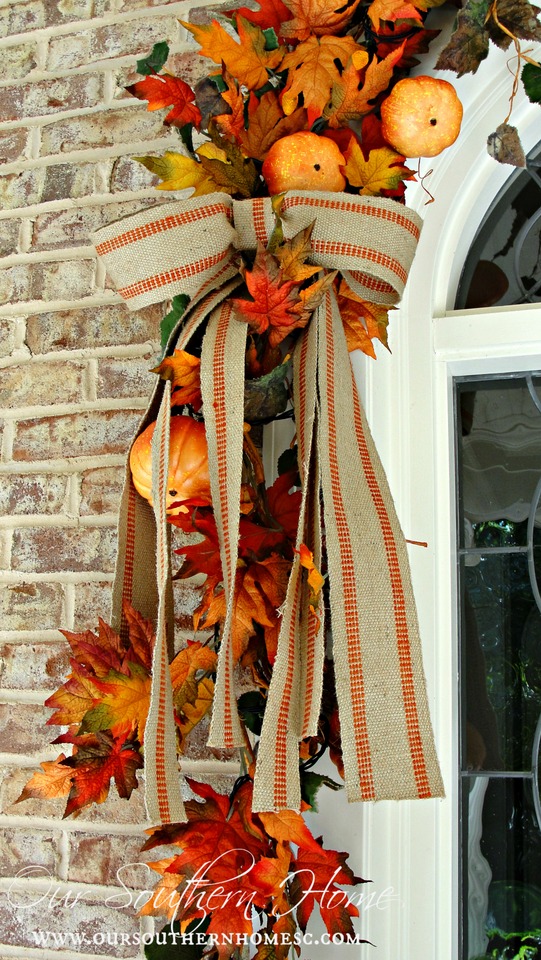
{"type": "Point", "coordinates": [192, 247]}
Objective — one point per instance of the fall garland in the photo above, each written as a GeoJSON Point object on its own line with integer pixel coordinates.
{"type": "Point", "coordinates": [303, 97]}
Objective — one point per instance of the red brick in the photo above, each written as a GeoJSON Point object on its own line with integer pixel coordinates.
{"type": "Point", "coordinates": [93, 327]}
{"type": "Point", "coordinates": [187, 597]}
{"type": "Point", "coordinates": [127, 38]}
{"type": "Point", "coordinates": [127, 377]}
{"type": "Point", "coordinates": [102, 930]}
{"type": "Point", "coordinates": [57, 280]}
{"type": "Point", "coordinates": [25, 16]}
{"type": "Point", "coordinates": [68, 180]}
{"type": "Point", "coordinates": [53, 549]}
{"type": "Point", "coordinates": [94, 433]}
{"type": "Point", "coordinates": [31, 606]}
{"type": "Point", "coordinates": [127, 174]}
{"type": "Point", "coordinates": [92, 600]}
{"type": "Point", "coordinates": [101, 490]}
{"type": "Point", "coordinates": [32, 493]}
{"type": "Point", "coordinates": [34, 666]}
{"type": "Point", "coordinates": [49, 96]}
{"type": "Point", "coordinates": [15, 284]}
{"type": "Point", "coordinates": [9, 237]}
{"type": "Point", "coordinates": [23, 848]}
{"type": "Point", "coordinates": [107, 129]}
{"type": "Point", "coordinates": [21, 189]}
{"type": "Point", "coordinates": [41, 384]}
{"type": "Point", "coordinates": [18, 61]}
{"type": "Point", "coordinates": [74, 227]}
{"type": "Point", "coordinates": [12, 145]}
{"type": "Point", "coordinates": [23, 728]}
{"type": "Point", "coordinates": [110, 860]}
{"type": "Point", "coordinates": [7, 337]}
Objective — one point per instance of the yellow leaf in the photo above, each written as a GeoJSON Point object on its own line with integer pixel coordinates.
{"type": "Point", "coordinates": [382, 171]}
{"type": "Point", "coordinates": [249, 61]}
{"type": "Point", "coordinates": [292, 255]}
{"type": "Point", "coordinates": [317, 17]}
{"type": "Point", "coordinates": [178, 172]}
{"type": "Point", "coordinates": [124, 701]}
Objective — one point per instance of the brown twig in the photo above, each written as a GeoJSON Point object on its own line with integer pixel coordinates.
{"type": "Point", "coordinates": [520, 54]}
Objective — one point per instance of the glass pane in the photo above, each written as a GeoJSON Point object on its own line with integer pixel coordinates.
{"type": "Point", "coordinates": [504, 262]}
{"type": "Point", "coordinates": [499, 524]}
{"type": "Point", "coordinates": [501, 663]}
{"type": "Point", "coordinates": [503, 869]}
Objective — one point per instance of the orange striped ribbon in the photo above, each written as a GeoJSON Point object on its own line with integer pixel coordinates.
{"type": "Point", "coordinates": [385, 724]}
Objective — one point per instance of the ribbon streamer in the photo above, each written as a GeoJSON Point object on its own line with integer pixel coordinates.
{"type": "Point", "coordinates": [192, 247]}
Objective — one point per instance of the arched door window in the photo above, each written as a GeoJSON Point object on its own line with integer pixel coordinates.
{"type": "Point", "coordinates": [498, 458]}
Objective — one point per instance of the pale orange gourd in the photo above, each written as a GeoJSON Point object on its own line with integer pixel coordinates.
{"type": "Point", "coordinates": [188, 477]}
{"type": "Point", "coordinates": [421, 116]}
{"type": "Point", "coordinates": [304, 161]}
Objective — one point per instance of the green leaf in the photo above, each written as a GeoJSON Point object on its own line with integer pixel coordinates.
{"type": "Point", "coordinates": [155, 60]}
{"type": "Point", "coordinates": [169, 322]}
{"type": "Point", "coordinates": [310, 784]}
{"type": "Point", "coordinates": [186, 135]}
{"type": "Point", "coordinates": [251, 708]}
{"type": "Point", "coordinates": [271, 40]}
{"type": "Point", "coordinates": [531, 78]}
{"type": "Point", "coordinates": [170, 946]}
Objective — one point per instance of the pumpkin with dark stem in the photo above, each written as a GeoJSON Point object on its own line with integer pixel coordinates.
{"type": "Point", "coordinates": [304, 161]}
{"type": "Point", "coordinates": [421, 116]}
{"type": "Point", "coordinates": [188, 476]}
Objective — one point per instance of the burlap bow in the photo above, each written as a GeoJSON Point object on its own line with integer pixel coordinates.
{"type": "Point", "coordinates": [191, 247]}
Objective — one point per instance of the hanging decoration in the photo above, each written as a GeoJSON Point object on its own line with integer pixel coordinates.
{"type": "Point", "coordinates": [292, 248]}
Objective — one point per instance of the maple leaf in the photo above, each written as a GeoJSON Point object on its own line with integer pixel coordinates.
{"type": "Point", "coordinates": [363, 321]}
{"type": "Point", "coordinates": [193, 712]}
{"type": "Point", "coordinates": [141, 638]}
{"type": "Point", "coordinates": [183, 370]}
{"type": "Point", "coordinates": [231, 124]}
{"type": "Point", "coordinates": [99, 759]}
{"type": "Point", "coordinates": [392, 10]}
{"type": "Point", "coordinates": [270, 13]}
{"type": "Point", "coordinates": [352, 94]}
{"type": "Point", "coordinates": [167, 91]}
{"type": "Point", "coordinates": [273, 298]}
{"type": "Point", "coordinates": [314, 68]}
{"type": "Point", "coordinates": [202, 557]}
{"type": "Point", "coordinates": [52, 781]}
{"type": "Point", "coordinates": [383, 170]}
{"type": "Point", "coordinates": [268, 123]}
{"type": "Point", "coordinates": [188, 662]}
{"type": "Point", "coordinates": [288, 826]}
{"type": "Point", "coordinates": [292, 255]}
{"type": "Point", "coordinates": [310, 297]}
{"type": "Point", "coordinates": [315, 579]}
{"type": "Point", "coordinates": [270, 874]}
{"type": "Point", "coordinates": [178, 172]}
{"type": "Point", "coordinates": [318, 17]}
{"type": "Point", "coordinates": [75, 697]}
{"type": "Point", "coordinates": [124, 702]}
{"type": "Point", "coordinates": [223, 161]}
{"type": "Point", "coordinates": [248, 61]}
{"type": "Point", "coordinates": [317, 872]}
{"type": "Point", "coordinates": [417, 43]}
{"type": "Point", "coordinates": [285, 502]}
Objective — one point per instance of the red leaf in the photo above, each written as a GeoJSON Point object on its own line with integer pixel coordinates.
{"type": "Point", "coordinates": [98, 760]}
{"type": "Point", "coordinates": [166, 91]}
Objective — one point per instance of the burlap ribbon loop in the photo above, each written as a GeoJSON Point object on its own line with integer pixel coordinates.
{"type": "Point", "coordinates": [192, 247]}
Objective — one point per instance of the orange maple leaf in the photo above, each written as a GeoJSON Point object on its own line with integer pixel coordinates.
{"type": "Point", "coordinates": [268, 123]}
{"type": "Point", "coordinates": [315, 67]}
{"type": "Point", "coordinates": [194, 711]}
{"type": "Point", "coordinates": [270, 13]}
{"type": "Point", "coordinates": [183, 370]}
{"type": "Point", "coordinates": [247, 61]}
{"type": "Point", "coordinates": [353, 93]}
{"type": "Point", "coordinates": [318, 17]}
{"type": "Point", "coordinates": [52, 781]}
{"type": "Point", "coordinates": [100, 758]}
{"type": "Point", "coordinates": [273, 298]}
{"type": "Point", "coordinates": [392, 10]}
{"type": "Point", "coordinates": [74, 698]}
{"type": "Point", "coordinates": [363, 321]}
{"type": "Point", "coordinates": [124, 702]}
{"type": "Point", "coordinates": [270, 874]}
{"type": "Point", "coordinates": [164, 90]}
{"type": "Point", "coordinates": [231, 124]}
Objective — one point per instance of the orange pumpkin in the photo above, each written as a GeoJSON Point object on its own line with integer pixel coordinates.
{"type": "Point", "coordinates": [304, 161]}
{"type": "Point", "coordinates": [421, 116]}
{"type": "Point", "coordinates": [188, 477]}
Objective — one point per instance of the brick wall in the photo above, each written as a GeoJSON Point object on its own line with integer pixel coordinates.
{"type": "Point", "coordinates": [74, 379]}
